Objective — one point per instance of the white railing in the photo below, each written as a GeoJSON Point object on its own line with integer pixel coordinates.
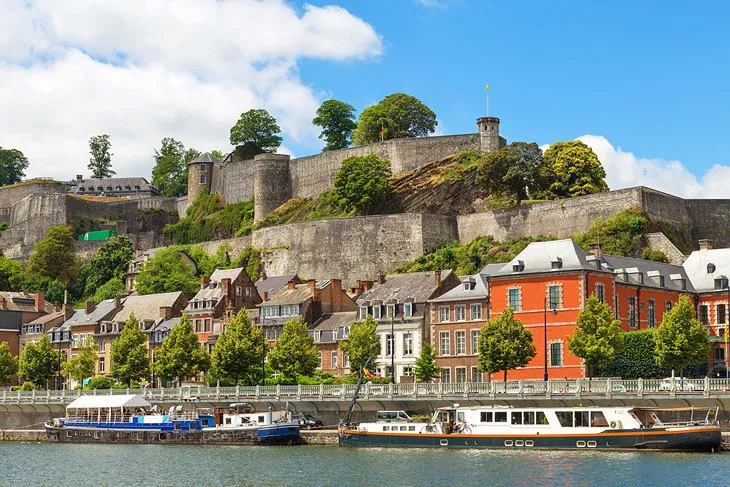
{"type": "Point", "coordinates": [602, 388]}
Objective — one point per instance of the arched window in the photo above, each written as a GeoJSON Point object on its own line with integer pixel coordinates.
{"type": "Point", "coordinates": [203, 180]}
{"type": "Point", "coordinates": [710, 268]}
{"type": "Point", "coordinates": [203, 168]}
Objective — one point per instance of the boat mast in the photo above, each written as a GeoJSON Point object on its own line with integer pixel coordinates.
{"type": "Point", "coordinates": [357, 391]}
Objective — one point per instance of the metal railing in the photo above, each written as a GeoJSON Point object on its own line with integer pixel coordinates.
{"type": "Point", "coordinates": [599, 388]}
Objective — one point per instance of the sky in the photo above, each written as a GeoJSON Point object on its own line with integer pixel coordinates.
{"type": "Point", "coordinates": [645, 84]}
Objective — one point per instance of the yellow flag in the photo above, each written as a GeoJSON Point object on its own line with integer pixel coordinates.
{"type": "Point", "coordinates": [487, 87]}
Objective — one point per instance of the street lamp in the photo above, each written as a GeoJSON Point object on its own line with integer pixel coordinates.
{"type": "Point", "coordinates": [60, 334]}
{"type": "Point", "coordinates": [263, 350]}
{"type": "Point", "coordinates": [392, 347]}
{"type": "Point", "coordinates": [544, 334]}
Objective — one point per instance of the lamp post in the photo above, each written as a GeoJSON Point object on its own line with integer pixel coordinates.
{"type": "Point", "coordinates": [263, 351]}
{"type": "Point", "coordinates": [544, 336]}
{"type": "Point", "coordinates": [727, 327]}
{"type": "Point", "coordinates": [60, 335]}
{"type": "Point", "coordinates": [392, 347]}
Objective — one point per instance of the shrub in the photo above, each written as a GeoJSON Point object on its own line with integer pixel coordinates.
{"type": "Point", "coordinates": [101, 382]}
{"type": "Point", "coordinates": [618, 235]}
{"type": "Point", "coordinates": [655, 255]}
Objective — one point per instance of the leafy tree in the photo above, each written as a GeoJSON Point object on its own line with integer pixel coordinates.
{"type": "Point", "coordinates": [597, 337]}
{"type": "Point", "coordinates": [39, 362]}
{"type": "Point", "coordinates": [362, 183]}
{"type": "Point", "coordinates": [110, 262]}
{"type": "Point", "coordinates": [362, 344]}
{"type": "Point", "coordinates": [102, 382]}
{"type": "Point", "coordinates": [648, 253]}
{"type": "Point", "coordinates": [181, 354]}
{"type": "Point", "coordinates": [396, 116]}
{"type": "Point", "coordinates": [8, 363]}
{"type": "Point", "coordinates": [83, 365]}
{"type": "Point", "coordinates": [112, 289]}
{"type": "Point", "coordinates": [170, 174]}
{"type": "Point", "coordinates": [250, 258]}
{"type": "Point", "coordinates": [256, 131]}
{"type": "Point", "coordinates": [295, 353]}
{"type": "Point", "coordinates": [577, 170]}
{"type": "Point", "coordinates": [504, 344]}
{"type": "Point", "coordinates": [681, 341]}
{"type": "Point", "coordinates": [167, 272]}
{"type": "Point", "coordinates": [426, 369]}
{"type": "Point", "coordinates": [10, 270]}
{"type": "Point", "coordinates": [619, 234]}
{"type": "Point", "coordinates": [518, 169]}
{"type": "Point", "coordinates": [54, 255]}
{"type": "Point", "coordinates": [337, 121]}
{"type": "Point", "coordinates": [236, 358]}
{"type": "Point", "coordinates": [100, 163]}
{"type": "Point", "coordinates": [635, 358]}
{"type": "Point", "coordinates": [12, 166]}
{"type": "Point", "coordinates": [129, 354]}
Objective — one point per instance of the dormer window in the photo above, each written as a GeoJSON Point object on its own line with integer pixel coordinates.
{"type": "Point", "coordinates": [119, 188]}
{"type": "Point", "coordinates": [334, 334]}
{"type": "Point", "coordinates": [661, 281]}
{"type": "Point", "coordinates": [408, 310]}
{"type": "Point", "coordinates": [710, 268]}
{"type": "Point", "coordinates": [317, 336]}
{"type": "Point", "coordinates": [391, 311]}
{"type": "Point", "coordinates": [363, 312]}
{"type": "Point", "coordinates": [721, 282]}
{"type": "Point", "coordinates": [346, 332]}
{"type": "Point", "coordinates": [377, 312]}
{"type": "Point", "coordinates": [82, 189]}
{"type": "Point", "coordinates": [137, 188]}
{"type": "Point", "coordinates": [128, 188]}
{"type": "Point", "coordinates": [557, 263]}
{"type": "Point", "coordinates": [519, 266]}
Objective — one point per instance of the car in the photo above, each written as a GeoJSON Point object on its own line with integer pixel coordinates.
{"type": "Point", "coordinates": [681, 384]}
{"type": "Point", "coordinates": [307, 421]}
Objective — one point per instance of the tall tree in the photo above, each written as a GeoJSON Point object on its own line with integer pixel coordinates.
{"type": "Point", "coordinates": [181, 354]}
{"type": "Point", "coordinates": [54, 256]}
{"type": "Point", "coordinates": [100, 163]}
{"type": "Point", "coordinates": [129, 355]}
{"type": "Point", "coordinates": [426, 369]}
{"type": "Point", "coordinates": [39, 362]}
{"type": "Point", "coordinates": [236, 357]}
{"type": "Point", "coordinates": [10, 271]}
{"type": "Point", "coordinates": [337, 120]}
{"type": "Point", "coordinates": [504, 344]}
{"type": "Point", "coordinates": [518, 169]}
{"type": "Point", "coordinates": [8, 363]}
{"type": "Point", "coordinates": [577, 170]}
{"type": "Point", "coordinates": [256, 131]}
{"type": "Point", "coordinates": [681, 341]}
{"type": "Point", "coordinates": [363, 183]}
{"type": "Point", "coordinates": [167, 272]}
{"type": "Point", "coordinates": [597, 337]}
{"type": "Point", "coordinates": [395, 116]}
{"type": "Point", "coordinates": [108, 263]}
{"type": "Point", "coordinates": [295, 353]}
{"type": "Point", "coordinates": [83, 365]}
{"type": "Point", "coordinates": [13, 164]}
{"type": "Point", "coordinates": [170, 174]}
{"type": "Point", "coordinates": [362, 344]}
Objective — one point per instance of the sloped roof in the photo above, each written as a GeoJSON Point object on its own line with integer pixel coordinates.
{"type": "Point", "coordinates": [477, 290]}
{"type": "Point", "coordinates": [167, 324]}
{"type": "Point", "coordinates": [146, 307]}
{"type": "Point", "coordinates": [100, 313]}
{"type": "Point", "coordinates": [647, 273]}
{"type": "Point", "coordinates": [232, 274]}
{"type": "Point", "coordinates": [113, 401]}
{"type": "Point", "coordinates": [696, 268]}
{"type": "Point", "coordinates": [274, 283]}
{"type": "Point", "coordinates": [114, 182]}
{"type": "Point", "coordinates": [204, 157]}
{"type": "Point", "coordinates": [539, 256]}
{"type": "Point", "coordinates": [42, 320]}
{"type": "Point", "coordinates": [417, 286]}
{"type": "Point", "coordinates": [15, 301]}
{"type": "Point", "coordinates": [300, 294]}
{"type": "Point", "coordinates": [333, 321]}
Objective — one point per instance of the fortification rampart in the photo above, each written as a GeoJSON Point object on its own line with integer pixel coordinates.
{"type": "Point", "coordinates": [13, 193]}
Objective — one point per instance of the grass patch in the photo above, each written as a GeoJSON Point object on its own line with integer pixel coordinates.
{"type": "Point", "coordinates": [619, 235]}
{"type": "Point", "coordinates": [298, 210]}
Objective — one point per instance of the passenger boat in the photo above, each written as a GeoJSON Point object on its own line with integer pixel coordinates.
{"type": "Point", "coordinates": [581, 428]}
{"type": "Point", "coordinates": [271, 426]}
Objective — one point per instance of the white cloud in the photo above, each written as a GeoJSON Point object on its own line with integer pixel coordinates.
{"type": "Point", "coordinates": [145, 70]}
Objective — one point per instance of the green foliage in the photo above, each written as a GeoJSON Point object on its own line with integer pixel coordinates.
{"type": "Point", "coordinates": [236, 358]}
{"type": "Point", "coordinates": [111, 289]}
{"type": "Point", "coordinates": [167, 272]}
{"type": "Point", "coordinates": [597, 336]}
{"type": "Point", "coordinates": [504, 344]}
{"type": "Point", "coordinates": [256, 131]}
{"type": "Point", "coordinates": [295, 353]}
{"type": "Point", "coordinates": [655, 255]}
{"type": "Point", "coordinates": [362, 344]}
{"type": "Point", "coordinates": [10, 271]}
{"type": "Point", "coordinates": [54, 255]}
{"type": "Point", "coordinates": [296, 210]}
{"type": "Point", "coordinates": [576, 168]}
{"type": "Point", "coordinates": [8, 363]}
{"type": "Point", "coordinates": [426, 369]}
{"type": "Point", "coordinates": [27, 386]}
{"type": "Point", "coordinates": [363, 183]}
{"type": "Point", "coordinates": [129, 354]}
{"type": "Point", "coordinates": [170, 174]}
{"type": "Point", "coordinates": [109, 263]}
{"type": "Point", "coordinates": [250, 259]}
{"type": "Point", "coordinates": [337, 120]}
{"type": "Point", "coordinates": [13, 164]}
{"type": "Point", "coordinates": [101, 382]}
{"type": "Point", "coordinates": [517, 169]}
{"type": "Point", "coordinates": [100, 163]}
{"type": "Point", "coordinates": [618, 235]}
{"type": "Point", "coordinates": [681, 341]}
{"type": "Point", "coordinates": [635, 359]}
{"type": "Point", "coordinates": [396, 116]}
{"type": "Point", "coordinates": [180, 354]}
{"type": "Point", "coordinates": [680, 236]}
{"type": "Point", "coordinates": [39, 362]}
{"type": "Point", "coordinates": [83, 365]}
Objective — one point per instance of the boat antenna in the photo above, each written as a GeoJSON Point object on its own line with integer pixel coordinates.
{"type": "Point", "coordinates": [357, 390]}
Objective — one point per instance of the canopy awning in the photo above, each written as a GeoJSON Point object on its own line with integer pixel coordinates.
{"type": "Point", "coordinates": [115, 401]}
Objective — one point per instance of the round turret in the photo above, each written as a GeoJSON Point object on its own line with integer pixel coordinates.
{"type": "Point", "coordinates": [489, 134]}
{"type": "Point", "coordinates": [271, 183]}
{"type": "Point", "coordinates": [200, 174]}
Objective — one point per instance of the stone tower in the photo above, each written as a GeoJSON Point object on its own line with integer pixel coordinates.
{"type": "Point", "coordinates": [272, 184]}
{"type": "Point", "coordinates": [200, 174]}
{"type": "Point", "coordinates": [489, 138]}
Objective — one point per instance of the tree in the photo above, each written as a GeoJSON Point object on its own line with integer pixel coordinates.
{"type": "Point", "coordinates": [167, 272]}
{"type": "Point", "coordinates": [54, 255]}
{"type": "Point", "coordinates": [295, 353]}
{"type": "Point", "coordinates": [395, 116]}
{"type": "Point", "coordinates": [504, 344]}
{"type": "Point", "coordinates": [12, 166]}
{"type": "Point", "coordinates": [597, 337]}
{"type": "Point", "coordinates": [362, 183]}
{"type": "Point", "coordinates": [256, 131]}
{"type": "Point", "coordinates": [111, 289]}
{"type": "Point", "coordinates": [635, 359]}
{"type": "Point", "coordinates": [577, 170]}
{"type": "Point", "coordinates": [110, 262]}
{"type": "Point", "coordinates": [337, 120]}
{"type": "Point", "coordinates": [518, 169]}
{"type": "Point", "coordinates": [83, 365]}
{"type": "Point", "coordinates": [681, 341]}
{"type": "Point", "coordinates": [129, 354]}
{"type": "Point", "coordinates": [181, 354]}
{"type": "Point", "coordinates": [236, 357]}
{"type": "Point", "coordinates": [170, 174]}
{"type": "Point", "coordinates": [362, 344]}
{"type": "Point", "coordinates": [426, 369]}
{"type": "Point", "coordinates": [100, 163]}
{"type": "Point", "coordinates": [8, 363]}
{"type": "Point", "coordinates": [39, 362]}
{"type": "Point", "coordinates": [10, 270]}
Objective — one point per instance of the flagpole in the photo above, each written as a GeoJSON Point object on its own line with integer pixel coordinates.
{"type": "Point", "coordinates": [486, 87]}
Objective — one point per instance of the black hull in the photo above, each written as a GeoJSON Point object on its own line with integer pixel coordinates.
{"type": "Point", "coordinates": [697, 439]}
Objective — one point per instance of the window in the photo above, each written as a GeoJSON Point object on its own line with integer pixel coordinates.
{"type": "Point", "coordinates": [445, 343]}
{"type": "Point", "coordinates": [710, 268]}
{"type": "Point", "coordinates": [460, 313]}
{"type": "Point", "coordinates": [632, 312]}
{"type": "Point", "coordinates": [476, 376]}
{"type": "Point", "coordinates": [390, 309]}
{"type": "Point", "coordinates": [407, 344]}
{"type": "Point", "coordinates": [345, 361]}
{"type": "Point", "coordinates": [460, 337]}
{"type": "Point", "coordinates": [102, 365]}
{"type": "Point", "coordinates": [556, 264]}
{"type": "Point", "coordinates": [651, 313]}
{"type": "Point", "coordinates": [515, 299]}
{"type": "Point", "coordinates": [598, 419]}
{"type": "Point", "coordinates": [516, 417]}
{"type": "Point", "coordinates": [238, 291]}
{"type": "Point", "coordinates": [476, 311]}
{"type": "Point", "coordinates": [581, 419]}
{"type": "Point", "coordinates": [720, 314]}
{"type": "Point", "coordinates": [446, 375]}
{"type": "Point", "coordinates": [719, 354]}
{"type": "Point", "coordinates": [389, 343]}
{"type": "Point", "coordinates": [206, 325]}
{"type": "Point", "coordinates": [319, 356]}
{"type": "Point", "coordinates": [485, 416]}
{"type": "Point", "coordinates": [668, 305]}
{"type": "Point", "coordinates": [202, 179]}
{"type": "Point", "coordinates": [363, 312]}
{"type": "Point", "coordinates": [704, 314]}
{"type": "Point", "coordinates": [345, 332]}
{"type": "Point", "coordinates": [565, 418]}
{"type": "Point", "coordinates": [721, 283]}
{"type": "Point", "coordinates": [248, 292]}
{"type": "Point", "coordinates": [334, 360]}
{"type": "Point", "coordinates": [554, 297]}
{"type": "Point", "coordinates": [82, 339]}
{"type": "Point", "coordinates": [556, 354]}
{"type": "Point", "coordinates": [376, 312]}
{"type": "Point", "coordinates": [601, 292]}
{"type": "Point", "coordinates": [443, 313]}
{"type": "Point", "coordinates": [75, 341]}
{"type": "Point", "coordinates": [475, 341]}
{"type": "Point", "coordinates": [317, 335]}
{"type": "Point", "coordinates": [460, 373]}
{"type": "Point", "coordinates": [334, 334]}
{"type": "Point", "coordinates": [203, 168]}
{"type": "Point", "coordinates": [500, 416]}
{"type": "Point", "coordinates": [408, 310]}
{"type": "Point", "coordinates": [408, 371]}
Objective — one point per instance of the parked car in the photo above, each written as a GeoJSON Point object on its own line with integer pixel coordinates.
{"type": "Point", "coordinates": [307, 421]}
{"type": "Point", "coordinates": [681, 384]}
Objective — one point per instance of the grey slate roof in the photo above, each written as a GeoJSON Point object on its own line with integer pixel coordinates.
{"type": "Point", "coordinates": [42, 320]}
{"type": "Point", "coordinates": [99, 314]}
{"type": "Point", "coordinates": [472, 287]}
{"type": "Point", "coordinates": [696, 268]}
{"type": "Point", "coordinates": [220, 274]}
{"type": "Point", "coordinates": [167, 324]}
{"type": "Point", "coordinates": [15, 301]}
{"type": "Point", "coordinates": [203, 158]}
{"type": "Point", "coordinates": [332, 321]}
{"type": "Point", "coordinates": [647, 273]}
{"type": "Point", "coordinates": [538, 257]}
{"type": "Point", "coordinates": [213, 291]}
{"type": "Point", "coordinates": [415, 286]}
{"type": "Point", "coordinates": [300, 294]}
{"type": "Point", "coordinates": [145, 308]}
{"type": "Point", "coordinates": [94, 184]}
{"type": "Point", "coordinates": [273, 283]}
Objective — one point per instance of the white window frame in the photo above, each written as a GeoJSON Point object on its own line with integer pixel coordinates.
{"type": "Point", "coordinates": [317, 335]}
{"type": "Point", "coordinates": [444, 314]}
{"type": "Point", "coordinates": [334, 359]}
{"type": "Point", "coordinates": [478, 308]}
{"type": "Point", "coordinates": [475, 342]}
{"type": "Point", "coordinates": [363, 312]}
{"type": "Point", "coordinates": [407, 344]}
{"type": "Point", "coordinates": [319, 355]}
{"type": "Point", "coordinates": [463, 370]}
{"type": "Point", "coordinates": [460, 342]}
{"type": "Point", "coordinates": [460, 312]}
{"type": "Point", "coordinates": [551, 304]}
{"type": "Point", "coordinates": [408, 310]}
{"type": "Point", "coordinates": [377, 312]}
{"type": "Point", "coordinates": [389, 344]}
{"type": "Point", "coordinates": [102, 365]}
{"type": "Point", "coordinates": [518, 304]}
{"type": "Point", "coordinates": [447, 336]}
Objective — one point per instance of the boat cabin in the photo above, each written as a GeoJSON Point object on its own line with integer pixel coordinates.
{"type": "Point", "coordinates": [107, 409]}
{"type": "Point", "coordinates": [240, 415]}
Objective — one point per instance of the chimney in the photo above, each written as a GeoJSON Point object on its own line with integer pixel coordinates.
{"type": "Point", "coordinates": [705, 244]}
{"type": "Point", "coordinates": [226, 286]}
{"type": "Point", "coordinates": [312, 286]}
{"type": "Point", "coordinates": [165, 312]}
{"type": "Point", "coordinates": [204, 281]}
{"type": "Point", "coordinates": [40, 301]}
{"type": "Point", "coordinates": [56, 308]}
{"type": "Point", "coordinates": [595, 249]}
{"type": "Point", "coordinates": [381, 277]}
{"type": "Point", "coordinates": [117, 303]}
{"type": "Point", "coordinates": [437, 278]}
{"type": "Point", "coordinates": [262, 275]}
{"type": "Point", "coordinates": [89, 307]}
{"type": "Point", "coordinates": [336, 290]}
{"type": "Point", "coordinates": [366, 285]}
{"type": "Point", "coordinates": [3, 303]}
{"type": "Point", "coordinates": [67, 311]}
{"type": "Point", "coordinates": [291, 285]}
{"type": "Point", "coordinates": [79, 178]}
{"type": "Point", "coordinates": [358, 288]}
{"type": "Point", "coordinates": [266, 296]}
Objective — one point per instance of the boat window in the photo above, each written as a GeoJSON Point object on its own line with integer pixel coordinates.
{"type": "Point", "coordinates": [228, 420]}
{"type": "Point", "coordinates": [411, 428]}
{"type": "Point", "coordinates": [486, 416]}
{"type": "Point", "coordinates": [516, 417]}
{"type": "Point", "coordinates": [500, 417]}
{"type": "Point", "coordinates": [403, 416]}
{"type": "Point", "coordinates": [598, 419]}
{"type": "Point", "coordinates": [581, 419]}
{"type": "Point", "coordinates": [540, 418]}
{"type": "Point", "coordinates": [178, 426]}
{"type": "Point", "coordinates": [386, 428]}
{"type": "Point", "coordinates": [404, 428]}
{"type": "Point", "coordinates": [460, 416]}
{"type": "Point", "coordinates": [528, 417]}
{"type": "Point", "coordinates": [565, 418]}
{"type": "Point", "coordinates": [261, 419]}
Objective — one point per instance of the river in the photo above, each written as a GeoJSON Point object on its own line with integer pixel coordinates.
{"type": "Point", "coordinates": [171, 465]}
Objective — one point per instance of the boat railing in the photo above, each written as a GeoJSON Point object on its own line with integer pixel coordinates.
{"type": "Point", "coordinates": [104, 417]}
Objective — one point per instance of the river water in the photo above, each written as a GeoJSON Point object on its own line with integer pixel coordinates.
{"type": "Point", "coordinates": [173, 465]}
